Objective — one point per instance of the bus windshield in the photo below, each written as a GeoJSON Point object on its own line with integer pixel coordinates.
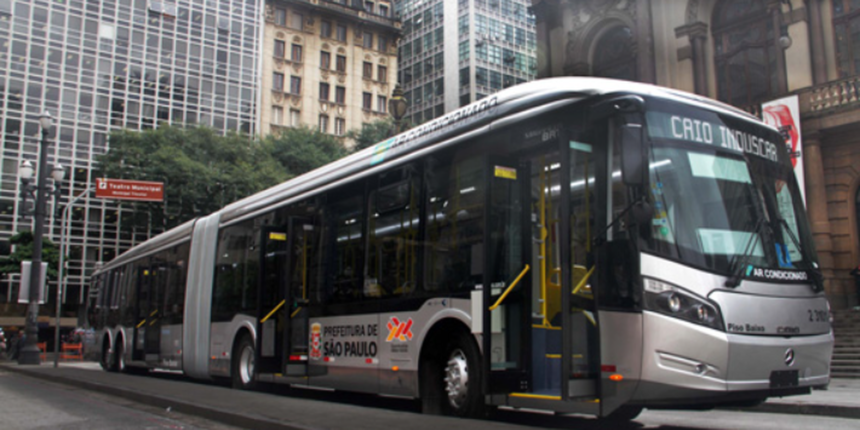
{"type": "Point", "coordinates": [725, 197]}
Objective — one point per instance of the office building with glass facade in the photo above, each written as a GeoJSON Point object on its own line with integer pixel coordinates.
{"type": "Point", "coordinates": [455, 52]}
{"type": "Point", "coordinates": [98, 66]}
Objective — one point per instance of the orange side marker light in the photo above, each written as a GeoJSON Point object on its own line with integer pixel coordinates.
{"type": "Point", "coordinates": [615, 377]}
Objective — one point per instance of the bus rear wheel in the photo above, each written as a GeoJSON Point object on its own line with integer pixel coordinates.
{"type": "Point", "coordinates": [451, 380]}
{"type": "Point", "coordinates": [243, 364]}
{"type": "Point", "coordinates": [107, 361]}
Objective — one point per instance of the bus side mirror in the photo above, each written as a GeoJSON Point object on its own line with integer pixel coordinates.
{"type": "Point", "coordinates": [632, 165]}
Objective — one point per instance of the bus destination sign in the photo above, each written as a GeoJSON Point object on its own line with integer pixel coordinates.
{"type": "Point", "coordinates": [120, 189]}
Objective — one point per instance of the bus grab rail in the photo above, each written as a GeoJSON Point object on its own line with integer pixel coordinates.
{"type": "Point", "coordinates": [583, 280]}
{"type": "Point", "coordinates": [510, 287]}
{"type": "Point", "coordinates": [273, 311]}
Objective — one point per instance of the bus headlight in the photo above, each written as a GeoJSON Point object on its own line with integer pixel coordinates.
{"type": "Point", "coordinates": [677, 302]}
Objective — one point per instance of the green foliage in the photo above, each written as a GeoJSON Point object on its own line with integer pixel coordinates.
{"type": "Point", "coordinates": [202, 171]}
{"type": "Point", "coordinates": [24, 252]}
{"type": "Point", "coordinates": [302, 149]}
{"type": "Point", "coordinates": [372, 133]}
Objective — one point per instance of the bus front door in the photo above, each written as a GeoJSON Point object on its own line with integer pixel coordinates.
{"type": "Point", "coordinates": [506, 283]}
{"type": "Point", "coordinates": [273, 301]}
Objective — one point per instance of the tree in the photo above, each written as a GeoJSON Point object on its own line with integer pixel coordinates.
{"type": "Point", "coordinates": [302, 149]}
{"type": "Point", "coordinates": [23, 242]}
{"type": "Point", "coordinates": [371, 133]}
{"type": "Point", "coordinates": [202, 171]}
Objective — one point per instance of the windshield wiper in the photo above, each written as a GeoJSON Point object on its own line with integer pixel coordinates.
{"type": "Point", "coordinates": [740, 260]}
{"type": "Point", "coordinates": [817, 279]}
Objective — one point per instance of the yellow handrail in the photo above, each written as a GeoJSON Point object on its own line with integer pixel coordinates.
{"type": "Point", "coordinates": [583, 280]}
{"type": "Point", "coordinates": [511, 287]}
{"type": "Point", "coordinates": [273, 311]}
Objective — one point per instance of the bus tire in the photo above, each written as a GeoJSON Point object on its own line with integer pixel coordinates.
{"type": "Point", "coordinates": [451, 380]}
{"type": "Point", "coordinates": [242, 372]}
{"type": "Point", "coordinates": [107, 361]}
{"type": "Point", "coordinates": [119, 356]}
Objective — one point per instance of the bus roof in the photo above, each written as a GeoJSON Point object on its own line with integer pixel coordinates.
{"type": "Point", "coordinates": [473, 116]}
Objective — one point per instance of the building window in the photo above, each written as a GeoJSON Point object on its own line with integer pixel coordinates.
{"type": "Point", "coordinates": [846, 25]}
{"type": "Point", "coordinates": [325, 29]}
{"type": "Point", "coordinates": [277, 81]}
{"type": "Point", "coordinates": [367, 40]}
{"type": "Point", "coordinates": [325, 60]}
{"type": "Point", "coordinates": [324, 88]}
{"type": "Point", "coordinates": [745, 52]}
{"type": "Point", "coordinates": [614, 56]}
{"type": "Point", "coordinates": [382, 74]}
{"type": "Point", "coordinates": [381, 104]}
{"type": "Point", "coordinates": [295, 85]}
{"type": "Point", "coordinates": [368, 6]}
{"type": "Point", "coordinates": [339, 126]}
{"type": "Point", "coordinates": [366, 99]}
{"type": "Point", "coordinates": [340, 95]}
{"type": "Point", "coordinates": [341, 63]}
{"type": "Point", "coordinates": [341, 32]}
{"type": "Point", "coordinates": [295, 117]}
{"type": "Point", "coordinates": [382, 43]}
{"type": "Point", "coordinates": [383, 10]}
{"type": "Point", "coordinates": [277, 115]}
{"type": "Point", "coordinates": [297, 21]}
{"type": "Point", "coordinates": [280, 48]}
{"type": "Point", "coordinates": [368, 70]}
{"type": "Point", "coordinates": [323, 123]}
{"type": "Point", "coordinates": [281, 17]}
{"type": "Point", "coordinates": [296, 53]}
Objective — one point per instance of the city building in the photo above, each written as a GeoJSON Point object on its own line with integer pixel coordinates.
{"type": "Point", "coordinates": [455, 52]}
{"type": "Point", "coordinates": [742, 52]}
{"type": "Point", "coordinates": [328, 64]}
{"type": "Point", "coordinates": [98, 66]}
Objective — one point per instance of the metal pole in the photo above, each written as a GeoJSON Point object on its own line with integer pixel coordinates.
{"type": "Point", "coordinates": [61, 282]}
{"type": "Point", "coordinates": [30, 353]}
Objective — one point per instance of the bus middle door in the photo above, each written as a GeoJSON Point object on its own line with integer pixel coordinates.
{"type": "Point", "coordinates": [273, 300]}
{"type": "Point", "coordinates": [302, 244]}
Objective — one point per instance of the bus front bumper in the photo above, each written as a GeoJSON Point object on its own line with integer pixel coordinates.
{"type": "Point", "coordinates": [689, 363]}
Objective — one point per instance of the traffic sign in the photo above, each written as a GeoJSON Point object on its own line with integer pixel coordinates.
{"type": "Point", "coordinates": [121, 189]}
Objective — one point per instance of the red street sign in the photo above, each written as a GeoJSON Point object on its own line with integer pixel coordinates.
{"type": "Point", "coordinates": [120, 189]}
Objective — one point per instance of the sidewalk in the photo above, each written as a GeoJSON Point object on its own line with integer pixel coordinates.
{"type": "Point", "coordinates": [268, 411]}
{"type": "Point", "coordinates": [841, 399]}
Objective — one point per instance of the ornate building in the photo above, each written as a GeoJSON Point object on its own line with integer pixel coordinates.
{"type": "Point", "coordinates": [327, 63]}
{"type": "Point", "coordinates": [743, 52]}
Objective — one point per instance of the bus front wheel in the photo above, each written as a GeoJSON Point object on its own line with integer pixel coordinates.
{"type": "Point", "coordinates": [452, 380]}
{"type": "Point", "coordinates": [244, 359]}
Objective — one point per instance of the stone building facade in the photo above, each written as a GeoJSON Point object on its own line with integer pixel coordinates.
{"type": "Point", "coordinates": [329, 64]}
{"type": "Point", "coordinates": [743, 52]}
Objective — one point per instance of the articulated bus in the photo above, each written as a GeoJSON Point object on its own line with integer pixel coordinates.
{"type": "Point", "coordinates": [572, 244]}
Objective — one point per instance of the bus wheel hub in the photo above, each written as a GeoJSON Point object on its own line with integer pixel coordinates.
{"type": "Point", "coordinates": [457, 378]}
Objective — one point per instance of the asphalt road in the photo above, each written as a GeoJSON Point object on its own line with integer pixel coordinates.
{"type": "Point", "coordinates": [29, 404]}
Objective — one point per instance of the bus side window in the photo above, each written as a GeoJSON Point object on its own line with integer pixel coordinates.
{"type": "Point", "coordinates": [393, 228]}
{"type": "Point", "coordinates": [454, 227]}
{"type": "Point", "coordinates": [345, 236]}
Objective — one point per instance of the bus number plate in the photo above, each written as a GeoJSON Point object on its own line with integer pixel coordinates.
{"type": "Point", "coordinates": [783, 378]}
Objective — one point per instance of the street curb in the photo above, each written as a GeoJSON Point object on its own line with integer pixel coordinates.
{"type": "Point", "coordinates": [807, 409]}
{"type": "Point", "coordinates": [219, 415]}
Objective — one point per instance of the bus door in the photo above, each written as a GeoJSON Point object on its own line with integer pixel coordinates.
{"type": "Point", "coordinates": [302, 245]}
{"type": "Point", "coordinates": [156, 279]}
{"type": "Point", "coordinates": [143, 283]}
{"type": "Point", "coordinates": [505, 285]}
{"type": "Point", "coordinates": [273, 303]}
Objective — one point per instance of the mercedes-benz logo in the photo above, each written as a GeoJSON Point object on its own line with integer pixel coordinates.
{"type": "Point", "coordinates": [789, 357]}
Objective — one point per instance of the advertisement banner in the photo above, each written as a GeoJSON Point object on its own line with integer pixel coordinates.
{"type": "Point", "coordinates": [784, 114]}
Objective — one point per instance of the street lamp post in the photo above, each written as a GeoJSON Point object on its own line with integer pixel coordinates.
{"type": "Point", "coordinates": [29, 354]}
{"type": "Point", "coordinates": [397, 105]}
